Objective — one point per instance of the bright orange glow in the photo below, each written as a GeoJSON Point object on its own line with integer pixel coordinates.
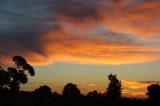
{"type": "Point", "coordinates": [134, 84]}
{"type": "Point", "coordinates": [129, 93]}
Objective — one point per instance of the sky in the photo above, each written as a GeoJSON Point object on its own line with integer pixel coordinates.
{"type": "Point", "coordinates": [82, 41]}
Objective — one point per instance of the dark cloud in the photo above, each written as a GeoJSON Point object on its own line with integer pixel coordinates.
{"type": "Point", "coordinates": [76, 10]}
{"type": "Point", "coordinates": [22, 25]}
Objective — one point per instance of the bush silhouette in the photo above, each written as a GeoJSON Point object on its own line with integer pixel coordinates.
{"type": "Point", "coordinates": [153, 92]}
{"type": "Point", "coordinates": [71, 91]}
{"type": "Point", "coordinates": [44, 91]}
{"type": "Point", "coordinates": [93, 94]}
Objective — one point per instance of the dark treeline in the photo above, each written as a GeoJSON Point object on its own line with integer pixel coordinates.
{"type": "Point", "coordinates": [12, 77]}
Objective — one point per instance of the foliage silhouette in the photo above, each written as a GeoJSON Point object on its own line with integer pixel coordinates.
{"type": "Point", "coordinates": [21, 63]}
{"type": "Point", "coordinates": [71, 91]}
{"type": "Point", "coordinates": [114, 89]}
{"type": "Point", "coordinates": [154, 93]}
{"type": "Point", "coordinates": [93, 95]}
{"type": "Point", "coordinates": [12, 77]}
{"type": "Point", "coordinates": [43, 91]}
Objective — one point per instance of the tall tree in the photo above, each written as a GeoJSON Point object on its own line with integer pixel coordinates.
{"type": "Point", "coordinates": [114, 89]}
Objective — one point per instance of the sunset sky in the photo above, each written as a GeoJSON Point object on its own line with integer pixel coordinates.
{"type": "Point", "coordinates": [82, 41]}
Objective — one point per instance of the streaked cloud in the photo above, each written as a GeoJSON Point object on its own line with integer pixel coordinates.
{"type": "Point", "coordinates": [136, 88]}
{"type": "Point", "coordinates": [128, 93]}
{"type": "Point", "coordinates": [98, 49]}
{"type": "Point", "coordinates": [134, 84]}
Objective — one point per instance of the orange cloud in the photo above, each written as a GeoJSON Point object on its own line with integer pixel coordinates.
{"type": "Point", "coordinates": [98, 49]}
{"type": "Point", "coordinates": [136, 88]}
{"type": "Point", "coordinates": [101, 32]}
{"type": "Point", "coordinates": [139, 94]}
{"type": "Point", "coordinates": [121, 16]}
{"type": "Point", "coordinates": [91, 49]}
{"type": "Point", "coordinates": [134, 84]}
{"type": "Point", "coordinates": [138, 19]}
{"type": "Point", "coordinates": [78, 43]}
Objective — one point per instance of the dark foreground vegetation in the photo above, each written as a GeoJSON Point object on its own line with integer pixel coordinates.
{"type": "Point", "coordinates": [12, 77]}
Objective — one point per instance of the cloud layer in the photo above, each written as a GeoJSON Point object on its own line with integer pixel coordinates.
{"type": "Point", "coordinates": [82, 31]}
{"type": "Point", "coordinates": [136, 88]}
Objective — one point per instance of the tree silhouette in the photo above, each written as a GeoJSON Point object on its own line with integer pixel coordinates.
{"type": "Point", "coordinates": [22, 65]}
{"type": "Point", "coordinates": [114, 88]}
{"type": "Point", "coordinates": [71, 91]}
{"type": "Point", "coordinates": [43, 91]}
{"type": "Point", "coordinates": [153, 92]}
{"type": "Point", "coordinates": [94, 95]}
{"type": "Point", "coordinates": [4, 79]}
{"type": "Point", "coordinates": [12, 77]}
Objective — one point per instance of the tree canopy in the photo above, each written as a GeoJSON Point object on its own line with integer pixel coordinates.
{"type": "Point", "coordinates": [12, 77]}
{"type": "Point", "coordinates": [43, 91]}
{"type": "Point", "coordinates": [153, 92]}
{"type": "Point", "coordinates": [71, 91]}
